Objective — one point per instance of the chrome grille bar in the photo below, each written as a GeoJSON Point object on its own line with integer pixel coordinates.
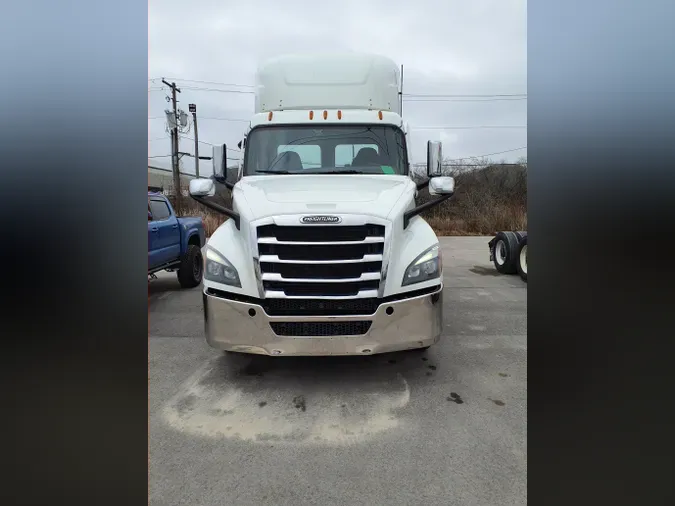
{"type": "Point", "coordinates": [276, 259]}
{"type": "Point", "coordinates": [366, 276]}
{"type": "Point", "coordinates": [367, 240]}
{"type": "Point", "coordinates": [363, 294]}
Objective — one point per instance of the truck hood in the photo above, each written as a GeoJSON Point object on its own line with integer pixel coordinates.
{"type": "Point", "coordinates": [317, 193]}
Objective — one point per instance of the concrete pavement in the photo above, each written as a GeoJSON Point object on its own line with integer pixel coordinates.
{"type": "Point", "coordinates": [443, 427]}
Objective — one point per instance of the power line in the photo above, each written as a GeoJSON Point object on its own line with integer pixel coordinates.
{"type": "Point", "coordinates": [200, 142]}
{"type": "Point", "coordinates": [489, 154]}
{"type": "Point", "coordinates": [227, 119]}
{"type": "Point", "coordinates": [208, 82]}
{"type": "Point", "coordinates": [210, 144]}
{"type": "Point", "coordinates": [199, 88]}
{"type": "Point", "coordinates": [206, 117]}
{"type": "Point", "coordinates": [410, 95]}
{"type": "Point", "coordinates": [408, 98]}
{"type": "Point", "coordinates": [188, 154]}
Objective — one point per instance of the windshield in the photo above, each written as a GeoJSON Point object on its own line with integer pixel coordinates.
{"type": "Point", "coordinates": [329, 149]}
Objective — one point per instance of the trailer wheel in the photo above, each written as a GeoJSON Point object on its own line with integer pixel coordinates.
{"type": "Point", "coordinates": [522, 259]}
{"type": "Point", "coordinates": [505, 252]}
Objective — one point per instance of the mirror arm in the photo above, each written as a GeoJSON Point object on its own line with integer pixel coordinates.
{"type": "Point", "coordinates": [427, 205]}
{"type": "Point", "coordinates": [422, 186]}
{"type": "Point", "coordinates": [223, 180]}
{"type": "Point", "coordinates": [222, 210]}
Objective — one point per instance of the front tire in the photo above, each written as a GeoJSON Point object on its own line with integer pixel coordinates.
{"type": "Point", "coordinates": [505, 252]}
{"type": "Point", "coordinates": [191, 267]}
{"type": "Point", "coordinates": [522, 259]}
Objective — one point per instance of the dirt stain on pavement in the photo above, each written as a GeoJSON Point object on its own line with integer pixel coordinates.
{"type": "Point", "coordinates": [219, 401]}
{"type": "Point", "coordinates": [454, 397]}
{"type": "Point", "coordinates": [300, 403]}
{"type": "Point", "coordinates": [186, 404]}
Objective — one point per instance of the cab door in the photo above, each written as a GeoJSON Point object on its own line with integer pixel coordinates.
{"type": "Point", "coordinates": [153, 240]}
{"type": "Point", "coordinates": [165, 224]}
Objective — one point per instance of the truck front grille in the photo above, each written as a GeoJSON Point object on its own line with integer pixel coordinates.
{"type": "Point", "coordinates": [320, 329]}
{"type": "Point", "coordinates": [321, 261]}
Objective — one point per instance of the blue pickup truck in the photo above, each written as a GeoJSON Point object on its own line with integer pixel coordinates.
{"type": "Point", "coordinates": [174, 243]}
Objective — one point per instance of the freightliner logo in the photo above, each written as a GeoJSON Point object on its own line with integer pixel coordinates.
{"type": "Point", "coordinates": [320, 219]}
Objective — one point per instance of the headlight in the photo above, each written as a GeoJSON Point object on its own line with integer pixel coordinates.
{"type": "Point", "coordinates": [425, 267]}
{"type": "Point", "coordinates": [217, 268]}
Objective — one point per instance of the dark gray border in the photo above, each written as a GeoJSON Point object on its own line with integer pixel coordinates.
{"type": "Point", "coordinates": [601, 137]}
{"type": "Point", "coordinates": [73, 145]}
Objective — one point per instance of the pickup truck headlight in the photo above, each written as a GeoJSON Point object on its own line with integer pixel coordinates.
{"type": "Point", "coordinates": [425, 267]}
{"type": "Point", "coordinates": [217, 268]}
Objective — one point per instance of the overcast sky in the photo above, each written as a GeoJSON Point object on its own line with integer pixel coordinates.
{"type": "Point", "coordinates": [447, 47]}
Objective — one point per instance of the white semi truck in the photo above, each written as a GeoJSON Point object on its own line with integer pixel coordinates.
{"type": "Point", "coordinates": [324, 252]}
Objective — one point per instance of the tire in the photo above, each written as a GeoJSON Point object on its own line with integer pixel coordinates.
{"type": "Point", "coordinates": [505, 252]}
{"type": "Point", "coordinates": [522, 259]}
{"type": "Point", "coordinates": [520, 234]}
{"type": "Point", "coordinates": [191, 267]}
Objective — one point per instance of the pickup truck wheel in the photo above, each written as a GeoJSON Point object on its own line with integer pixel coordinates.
{"type": "Point", "coordinates": [191, 267]}
{"type": "Point", "coordinates": [505, 252]}
{"type": "Point", "coordinates": [522, 259]}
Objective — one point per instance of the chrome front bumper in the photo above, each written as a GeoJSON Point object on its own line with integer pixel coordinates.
{"type": "Point", "coordinates": [414, 323]}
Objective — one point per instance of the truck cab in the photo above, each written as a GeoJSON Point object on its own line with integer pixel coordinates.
{"type": "Point", "coordinates": [325, 252]}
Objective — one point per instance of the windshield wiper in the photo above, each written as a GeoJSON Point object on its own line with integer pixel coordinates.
{"type": "Point", "coordinates": [309, 172]}
{"type": "Point", "coordinates": [342, 172]}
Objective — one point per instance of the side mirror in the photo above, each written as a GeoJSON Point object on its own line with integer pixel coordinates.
{"type": "Point", "coordinates": [434, 158]}
{"type": "Point", "coordinates": [443, 185]}
{"type": "Point", "coordinates": [219, 160]}
{"type": "Point", "coordinates": [202, 188]}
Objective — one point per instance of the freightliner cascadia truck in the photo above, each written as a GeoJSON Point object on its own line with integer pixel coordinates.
{"type": "Point", "coordinates": [324, 251]}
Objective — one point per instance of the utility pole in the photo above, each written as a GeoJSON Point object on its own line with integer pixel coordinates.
{"type": "Point", "coordinates": [174, 144]}
{"type": "Point", "coordinates": [193, 110]}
